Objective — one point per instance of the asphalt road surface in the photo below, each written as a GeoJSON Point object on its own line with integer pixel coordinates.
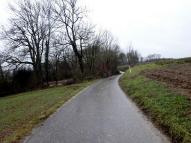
{"type": "Point", "coordinates": [99, 114]}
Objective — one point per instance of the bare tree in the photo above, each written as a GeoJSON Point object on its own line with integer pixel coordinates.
{"type": "Point", "coordinates": [132, 56]}
{"type": "Point", "coordinates": [71, 16]}
{"type": "Point", "coordinates": [50, 21]}
{"type": "Point", "coordinates": [110, 52]}
{"type": "Point", "coordinates": [29, 35]}
{"type": "Point", "coordinates": [122, 59]}
{"type": "Point", "coordinates": [91, 54]}
{"type": "Point", "coordinates": [58, 54]}
{"type": "Point", "coordinates": [101, 56]}
{"type": "Point", "coordinates": [2, 61]}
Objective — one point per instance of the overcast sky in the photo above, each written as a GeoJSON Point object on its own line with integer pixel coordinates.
{"type": "Point", "coordinates": [152, 26]}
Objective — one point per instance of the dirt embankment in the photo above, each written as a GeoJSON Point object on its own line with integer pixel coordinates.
{"type": "Point", "coordinates": [177, 76]}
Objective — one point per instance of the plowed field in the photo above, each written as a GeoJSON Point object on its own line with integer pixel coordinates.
{"type": "Point", "coordinates": [177, 76]}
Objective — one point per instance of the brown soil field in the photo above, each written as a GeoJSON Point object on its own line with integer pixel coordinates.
{"type": "Point", "coordinates": [177, 76]}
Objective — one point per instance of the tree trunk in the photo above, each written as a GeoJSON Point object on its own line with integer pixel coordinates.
{"type": "Point", "coordinates": [47, 64]}
{"type": "Point", "coordinates": [56, 72]}
{"type": "Point", "coordinates": [1, 72]}
{"type": "Point", "coordinates": [38, 74]}
{"type": "Point", "coordinates": [79, 56]}
{"type": "Point", "coordinates": [80, 60]}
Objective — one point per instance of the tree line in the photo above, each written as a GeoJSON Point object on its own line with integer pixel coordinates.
{"type": "Point", "coordinates": [52, 40]}
{"type": "Point", "coordinates": [133, 57]}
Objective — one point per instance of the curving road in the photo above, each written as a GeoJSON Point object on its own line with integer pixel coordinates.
{"type": "Point", "coordinates": [99, 114]}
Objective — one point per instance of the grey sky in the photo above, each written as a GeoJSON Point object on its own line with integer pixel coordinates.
{"type": "Point", "coordinates": [153, 26]}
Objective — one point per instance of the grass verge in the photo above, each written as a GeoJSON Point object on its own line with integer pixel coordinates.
{"type": "Point", "coordinates": [167, 108]}
{"type": "Point", "coordinates": [20, 113]}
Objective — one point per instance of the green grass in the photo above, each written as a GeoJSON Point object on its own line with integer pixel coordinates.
{"type": "Point", "coordinates": [167, 108]}
{"type": "Point", "coordinates": [21, 112]}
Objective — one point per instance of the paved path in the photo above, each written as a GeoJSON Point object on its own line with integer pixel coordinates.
{"type": "Point", "coordinates": [100, 114]}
